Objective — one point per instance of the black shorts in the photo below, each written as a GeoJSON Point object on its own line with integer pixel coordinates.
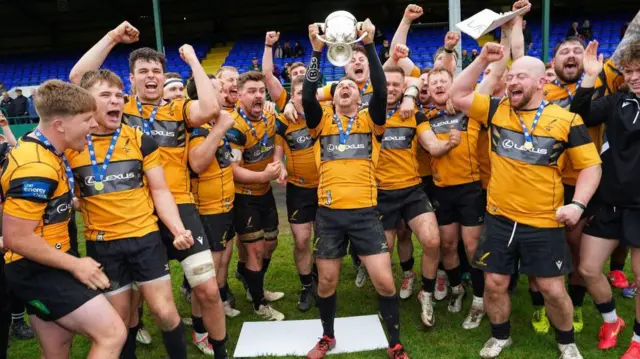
{"type": "Point", "coordinates": [542, 252]}
{"type": "Point", "coordinates": [73, 233]}
{"type": "Point", "coordinates": [302, 204]}
{"type": "Point", "coordinates": [191, 221]}
{"type": "Point", "coordinates": [255, 217]}
{"type": "Point", "coordinates": [219, 229]}
{"type": "Point", "coordinates": [125, 261]}
{"type": "Point", "coordinates": [402, 204]}
{"type": "Point", "coordinates": [49, 293]}
{"type": "Point", "coordinates": [464, 204]}
{"type": "Point", "coordinates": [428, 186]}
{"type": "Point", "coordinates": [615, 223]}
{"type": "Point", "coordinates": [335, 229]}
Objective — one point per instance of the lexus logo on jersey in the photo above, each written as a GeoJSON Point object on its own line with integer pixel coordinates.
{"type": "Point", "coordinates": [358, 146]}
{"type": "Point", "coordinates": [509, 144]}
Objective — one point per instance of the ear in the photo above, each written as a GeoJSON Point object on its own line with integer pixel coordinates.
{"type": "Point", "coordinates": [58, 125]}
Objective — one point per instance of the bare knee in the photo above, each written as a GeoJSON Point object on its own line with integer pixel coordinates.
{"type": "Point", "coordinates": [552, 289]}
{"type": "Point", "coordinates": [588, 271]}
{"type": "Point", "coordinates": [496, 284]}
{"type": "Point", "coordinates": [112, 335]}
{"type": "Point", "coordinates": [302, 245]}
{"type": "Point", "coordinates": [207, 293]}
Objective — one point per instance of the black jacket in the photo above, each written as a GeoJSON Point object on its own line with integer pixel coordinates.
{"type": "Point", "coordinates": [21, 105]}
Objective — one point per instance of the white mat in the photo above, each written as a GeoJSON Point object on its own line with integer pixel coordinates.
{"type": "Point", "coordinates": [297, 337]}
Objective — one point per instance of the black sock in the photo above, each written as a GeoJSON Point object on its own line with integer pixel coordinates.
{"type": "Point", "coordinates": [537, 300]}
{"type": "Point", "coordinates": [390, 313]}
{"type": "Point", "coordinates": [606, 307]}
{"type": "Point", "coordinates": [265, 265]}
{"type": "Point", "coordinates": [428, 285]}
{"type": "Point", "coordinates": [636, 328]}
{"type": "Point", "coordinates": [501, 331]}
{"type": "Point", "coordinates": [219, 350]}
{"type": "Point", "coordinates": [198, 325]}
{"type": "Point", "coordinates": [440, 266]}
{"type": "Point", "coordinates": [175, 343]}
{"type": "Point", "coordinates": [17, 318]}
{"type": "Point", "coordinates": [255, 281]}
{"type": "Point", "coordinates": [129, 349]}
{"type": "Point", "coordinates": [241, 267]}
{"type": "Point", "coordinates": [514, 279]}
{"type": "Point", "coordinates": [454, 276]}
{"type": "Point", "coordinates": [576, 293]}
{"type": "Point", "coordinates": [613, 265]}
{"type": "Point", "coordinates": [327, 308]}
{"type": "Point", "coordinates": [407, 265]}
{"type": "Point", "coordinates": [462, 254]}
{"type": "Point", "coordinates": [477, 281]}
{"type": "Point", "coordinates": [223, 293]}
{"type": "Point", "coordinates": [565, 338]}
{"type": "Point", "coordinates": [305, 279]}
{"type": "Point", "coordinates": [314, 271]}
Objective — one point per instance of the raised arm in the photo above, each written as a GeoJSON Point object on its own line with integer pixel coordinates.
{"type": "Point", "coordinates": [593, 113]}
{"type": "Point", "coordinates": [632, 34]}
{"type": "Point", "coordinates": [202, 155]}
{"type": "Point", "coordinates": [378, 102]}
{"type": "Point", "coordinates": [517, 36]}
{"type": "Point", "coordinates": [412, 12]}
{"type": "Point", "coordinates": [310, 104]}
{"type": "Point", "coordinates": [274, 87]}
{"type": "Point", "coordinates": [464, 84]}
{"type": "Point", "coordinates": [448, 61]}
{"type": "Point", "coordinates": [125, 33]}
{"type": "Point", "coordinates": [497, 69]}
{"type": "Point", "coordinates": [206, 108]}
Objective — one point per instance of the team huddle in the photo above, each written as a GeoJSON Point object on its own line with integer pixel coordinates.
{"type": "Point", "coordinates": [532, 170]}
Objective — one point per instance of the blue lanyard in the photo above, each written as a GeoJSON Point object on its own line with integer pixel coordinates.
{"type": "Point", "coordinates": [100, 172]}
{"type": "Point", "coordinates": [440, 112]}
{"type": "Point", "coordinates": [557, 83]}
{"type": "Point", "coordinates": [67, 167]}
{"type": "Point", "coordinates": [393, 111]}
{"type": "Point", "coordinates": [344, 135]}
{"type": "Point", "coordinates": [364, 89]}
{"type": "Point", "coordinates": [146, 125]}
{"type": "Point", "coordinates": [528, 137]}
{"type": "Point", "coordinates": [253, 130]}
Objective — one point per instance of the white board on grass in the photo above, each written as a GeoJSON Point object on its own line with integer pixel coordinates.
{"type": "Point", "coordinates": [297, 337]}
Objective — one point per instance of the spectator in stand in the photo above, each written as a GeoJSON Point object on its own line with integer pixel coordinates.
{"type": "Point", "coordinates": [573, 30]}
{"type": "Point", "coordinates": [474, 54]}
{"type": "Point", "coordinates": [33, 115]}
{"type": "Point", "coordinates": [466, 59]}
{"type": "Point", "coordinates": [586, 30]}
{"type": "Point", "coordinates": [7, 105]}
{"type": "Point", "coordinates": [384, 51]}
{"type": "Point", "coordinates": [277, 53]}
{"type": "Point", "coordinates": [286, 78]}
{"type": "Point", "coordinates": [549, 72]}
{"type": "Point", "coordinates": [287, 51]}
{"type": "Point", "coordinates": [528, 40]}
{"type": "Point", "coordinates": [21, 106]}
{"type": "Point", "coordinates": [380, 38]}
{"type": "Point", "coordinates": [298, 49]}
{"type": "Point", "coordinates": [255, 66]}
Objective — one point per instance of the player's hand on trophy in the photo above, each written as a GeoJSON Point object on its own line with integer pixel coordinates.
{"type": "Point", "coordinates": [370, 29]}
{"type": "Point", "coordinates": [316, 43]}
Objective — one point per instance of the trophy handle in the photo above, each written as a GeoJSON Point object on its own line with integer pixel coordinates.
{"type": "Point", "coordinates": [324, 40]}
{"type": "Point", "coordinates": [364, 34]}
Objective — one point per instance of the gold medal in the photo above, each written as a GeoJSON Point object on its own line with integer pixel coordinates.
{"type": "Point", "coordinates": [528, 145]}
{"type": "Point", "coordinates": [342, 148]}
{"type": "Point", "coordinates": [264, 149]}
{"type": "Point", "coordinates": [99, 186]}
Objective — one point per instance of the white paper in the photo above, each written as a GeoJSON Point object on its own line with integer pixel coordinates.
{"type": "Point", "coordinates": [298, 337]}
{"type": "Point", "coordinates": [486, 21]}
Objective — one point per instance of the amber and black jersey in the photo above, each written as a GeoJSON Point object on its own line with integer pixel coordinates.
{"type": "Point", "coordinates": [212, 188]}
{"type": "Point", "coordinates": [398, 163]}
{"type": "Point", "coordinates": [609, 80]}
{"type": "Point", "coordinates": [124, 207]}
{"type": "Point", "coordinates": [281, 102]}
{"type": "Point", "coordinates": [298, 149]}
{"type": "Point", "coordinates": [526, 184]}
{"type": "Point", "coordinates": [169, 130]}
{"type": "Point", "coordinates": [255, 156]}
{"type": "Point", "coordinates": [35, 187]}
{"type": "Point", "coordinates": [460, 165]}
{"type": "Point", "coordinates": [424, 158]}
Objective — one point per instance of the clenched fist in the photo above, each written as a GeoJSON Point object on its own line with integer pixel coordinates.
{"type": "Point", "coordinates": [125, 33]}
{"type": "Point", "coordinates": [271, 38]}
{"type": "Point", "coordinates": [412, 12]}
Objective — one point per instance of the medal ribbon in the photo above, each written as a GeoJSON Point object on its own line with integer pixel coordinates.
{"type": "Point", "coordinates": [253, 130]}
{"type": "Point", "coordinates": [364, 89]}
{"type": "Point", "coordinates": [557, 83]}
{"type": "Point", "coordinates": [67, 167]}
{"type": "Point", "coordinates": [344, 135]}
{"type": "Point", "coordinates": [393, 111]}
{"type": "Point", "coordinates": [528, 137]}
{"type": "Point", "coordinates": [147, 124]}
{"type": "Point", "coordinates": [100, 172]}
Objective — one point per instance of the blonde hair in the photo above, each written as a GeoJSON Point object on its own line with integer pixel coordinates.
{"type": "Point", "coordinates": [56, 98]}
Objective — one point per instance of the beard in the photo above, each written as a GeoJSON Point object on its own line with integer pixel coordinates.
{"type": "Point", "coordinates": [567, 79]}
{"type": "Point", "coordinates": [525, 99]}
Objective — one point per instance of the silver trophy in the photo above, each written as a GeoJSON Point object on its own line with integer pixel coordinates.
{"type": "Point", "coordinates": [340, 32]}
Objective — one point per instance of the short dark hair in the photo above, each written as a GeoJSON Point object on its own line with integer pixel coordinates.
{"type": "Point", "coordinates": [172, 75]}
{"type": "Point", "coordinates": [250, 76]}
{"type": "Point", "coordinates": [297, 81]}
{"type": "Point", "coordinates": [93, 77]}
{"type": "Point", "coordinates": [631, 54]}
{"type": "Point", "coordinates": [18, 90]}
{"type": "Point", "coordinates": [359, 48]}
{"type": "Point", "coordinates": [192, 91]}
{"type": "Point", "coordinates": [394, 69]}
{"type": "Point", "coordinates": [426, 70]}
{"type": "Point", "coordinates": [577, 39]}
{"type": "Point", "coordinates": [147, 54]}
{"type": "Point", "coordinates": [296, 64]}
{"type": "Point", "coordinates": [334, 86]}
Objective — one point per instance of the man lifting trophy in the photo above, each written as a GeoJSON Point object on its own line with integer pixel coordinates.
{"type": "Point", "coordinates": [340, 31]}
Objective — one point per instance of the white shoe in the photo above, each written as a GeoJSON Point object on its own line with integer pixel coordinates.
{"type": "Point", "coordinates": [455, 301]}
{"type": "Point", "coordinates": [228, 311]}
{"type": "Point", "coordinates": [442, 286]}
{"type": "Point", "coordinates": [202, 343]}
{"type": "Point", "coordinates": [493, 347]}
{"type": "Point", "coordinates": [187, 321]}
{"type": "Point", "coordinates": [569, 351]}
{"type": "Point", "coordinates": [476, 312]}
{"type": "Point", "coordinates": [361, 276]}
{"type": "Point", "coordinates": [407, 284]}
{"type": "Point", "coordinates": [426, 303]}
{"type": "Point", "coordinates": [143, 336]}
{"type": "Point", "coordinates": [268, 313]}
{"type": "Point", "coordinates": [269, 296]}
